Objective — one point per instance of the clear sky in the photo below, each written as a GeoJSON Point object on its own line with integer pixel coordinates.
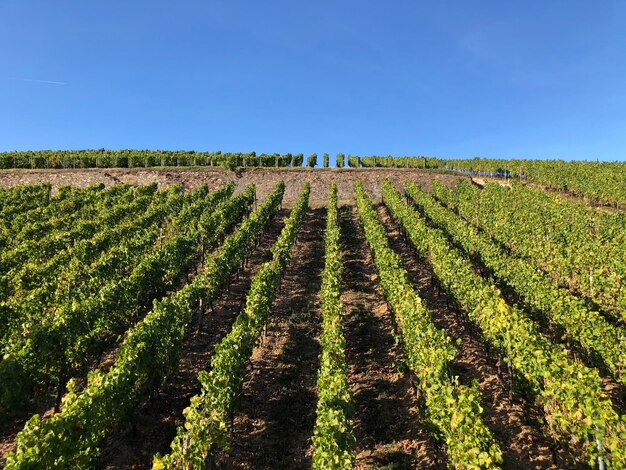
{"type": "Point", "coordinates": [527, 79]}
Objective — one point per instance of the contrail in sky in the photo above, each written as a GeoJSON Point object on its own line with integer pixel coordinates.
{"type": "Point", "coordinates": [38, 81]}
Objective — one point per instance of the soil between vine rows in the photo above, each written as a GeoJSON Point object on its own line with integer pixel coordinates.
{"type": "Point", "coordinates": [274, 420]}
{"type": "Point", "coordinates": [513, 420]}
{"type": "Point", "coordinates": [388, 423]}
{"type": "Point", "coordinates": [44, 400]}
{"type": "Point", "coordinates": [557, 335]}
{"type": "Point", "coordinates": [158, 418]}
{"type": "Point", "coordinates": [14, 424]}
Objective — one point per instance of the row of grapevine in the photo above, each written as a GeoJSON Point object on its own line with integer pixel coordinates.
{"type": "Point", "coordinates": [143, 159]}
{"type": "Point", "coordinates": [579, 248]}
{"type": "Point", "coordinates": [603, 182]}
{"type": "Point", "coordinates": [30, 229]}
{"type": "Point", "coordinates": [333, 441]}
{"type": "Point", "coordinates": [453, 409]}
{"type": "Point", "coordinates": [400, 162]}
{"type": "Point", "coordinates": [595, 334]}
{"type": "Point", "coordinates": [150, 351]}
{"type": "Point", "coordinates": [42, 249]}
{"type": "Point", "coordinates": [207, 417]}
{"type": "Point", "coordinates": [23, 198]}
{"type": "Point", "coordinates": [34, 286]}
{"type": "Point", "coordinates": [575, 407]}
{"type": "Point", "coordinates": [76, 329]}
{"type": "Point", "coordinates": [68, 205]}
{"type": "Point", "coordinates": [40, 280]}
{"type": "Point", "coordinates": [103, 158]}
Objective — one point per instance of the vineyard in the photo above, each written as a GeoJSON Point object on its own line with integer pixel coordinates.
{"type": "Point", "coordinates": [394, 314]}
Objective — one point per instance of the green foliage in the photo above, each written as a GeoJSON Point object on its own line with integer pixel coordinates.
{"type": "Point", "coordinates": [401, 162]}
{"type": "Point", "coordinates": [33, 239]}
{"type": "Point", "coordinates": [103, 158]}
{"type": "Point", "coordinates": [571, 395]}
{"type": "Point", "coordinates": [333, 440]}
{"type": "Point", "coordinates": [286, 159]}
{"type": "Point", "coordinates": [311, 161]}
{"type": "Point", "coordinates": [341, 160]}
{"type": "Point", "coordinates": [149, 352]}
{"type": "Point", "coordinates": [207, 417]}
{"type": "Point", "coordinates": [326, 160]}
{"type": "Point", "coordinates": [579, 247]}
{"type": "Point", "coordinates": [592, 330]}
{"type": "Point", "coordinates": [122, 283]}
{"type": "Point", "coordinates": [453, 409]}
{"type": "Point", "coordinates": [603, 182]}
{"type": "Point", "coordinates": [297, 160]}
{"type": "Point", "coordinates": [20, 199]}
{"type": "Point", "coordinates": [229, 164]}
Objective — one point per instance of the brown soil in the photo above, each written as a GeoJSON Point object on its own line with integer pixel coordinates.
{"type": "Point", "coordinates": [157, 419]}
{"type": "Point", "coordinates": [388, 423]}
{"type": "Point", "coordinates": [482, 181]}
{"type": "Point", "coordinates": [274, 421]}
{"type": "Point", "coordinates": [514, 421]}
{"type": "Point", "coordinates": [13, 424]}
{"type": "Point", "coordinates": [264, 178]}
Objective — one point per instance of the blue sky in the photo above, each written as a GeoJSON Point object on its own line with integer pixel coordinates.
{"type": "Point", "coordinates": [530, 79]}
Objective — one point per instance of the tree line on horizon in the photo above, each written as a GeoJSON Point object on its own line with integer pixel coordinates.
{"type": "Point", "coordinates": [601, 182]}
{"type": "Point", "coordinates": [104, 158]}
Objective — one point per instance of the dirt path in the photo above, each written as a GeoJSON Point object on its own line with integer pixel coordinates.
{"type": "Point", "coordinates": [158, 418]}
{"type": "Point", "coordinates": [274, 421]}
{"type": "Point", "coordinates": [388, 423]}
{"type": "Point", "coordinates": [514, 422]}
{"type": "Point", "coordinates": [265, 179]}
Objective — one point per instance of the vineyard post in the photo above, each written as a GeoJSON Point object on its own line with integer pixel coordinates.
{"type": "Point", "coordinates": [600, 450]}
{"type": "Point", "coordinates": [60, 389]}
{"type": "Point", "coordinates": [509, 365]}
{"type": "Point", "coordinates": [200, 316]}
